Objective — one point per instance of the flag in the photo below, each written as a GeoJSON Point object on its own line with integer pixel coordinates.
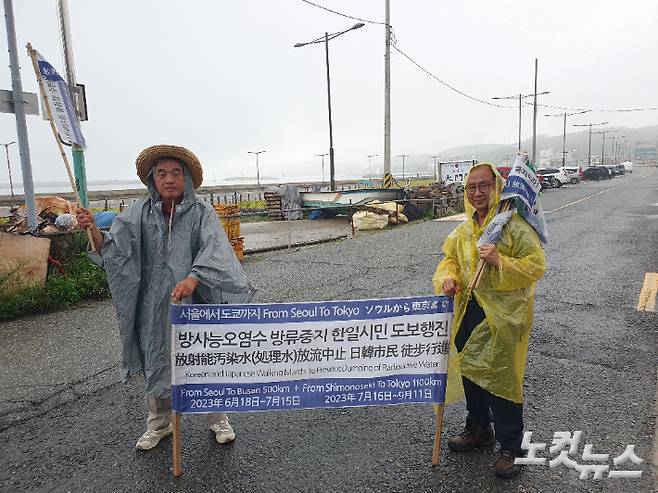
{"type": "Point", "coordinates": [58, 99]}
{"type": "Point", "coordinates": [522, 186]}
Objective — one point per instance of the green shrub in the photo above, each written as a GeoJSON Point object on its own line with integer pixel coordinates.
{"type": "Point", "coordinates": [82, 280]}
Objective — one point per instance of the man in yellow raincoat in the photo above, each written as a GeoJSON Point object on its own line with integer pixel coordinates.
{"type": "Point", "coordinates": [491, 325]}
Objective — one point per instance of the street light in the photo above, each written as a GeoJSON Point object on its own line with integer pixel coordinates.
{"type": "Point", "coordinates": [257, 170]}
{"type": "Point", "coordinates": [564, 132]}
{"type": "Point", "coordinates": [11, 184]}
{"type": "Point", "coordinates": [322, 156]}
{"type": "Point", "coordinates": [325, 39]}
{"type": "Point", "coordinates": [370, 156]}
{"type": "Point", "coordinates": [521, 97]}
{"type": "Point", "coordinates": [403, 156]}
{"type": "Point", "coordinates": [589, 141]}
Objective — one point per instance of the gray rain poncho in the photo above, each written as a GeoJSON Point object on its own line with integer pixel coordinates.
{"type": "Point", "coordinates": [144, 259]}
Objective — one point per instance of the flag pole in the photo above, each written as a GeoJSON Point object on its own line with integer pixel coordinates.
{"type": "Point", "coordinates": [438, 425]}
{"type": "Point", "coordinates": [49, 114]}
{"type": "Point", "coordinates": [177, 455]}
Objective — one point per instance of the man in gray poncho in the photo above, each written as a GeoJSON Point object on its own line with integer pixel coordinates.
{"type": "Point", "coordinates": [167, 247]}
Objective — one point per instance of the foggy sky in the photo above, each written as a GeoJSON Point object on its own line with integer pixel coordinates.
{"type": "Point", "coordinates": [222, 77]}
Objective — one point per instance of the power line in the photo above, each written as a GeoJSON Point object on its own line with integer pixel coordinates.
{"type": "Point", "coordinates": [462, 93]}
{"type": "Point", "coordinates": [586, 110]}
{"type": "Point", "coordinates": [343, 15]}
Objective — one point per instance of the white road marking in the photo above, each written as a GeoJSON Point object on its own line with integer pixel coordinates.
{"type": "Point", "coordinates": [579, 200]}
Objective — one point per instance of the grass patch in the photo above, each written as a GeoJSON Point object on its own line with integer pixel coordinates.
{"type": "Point", "coordinates": [82, 280]}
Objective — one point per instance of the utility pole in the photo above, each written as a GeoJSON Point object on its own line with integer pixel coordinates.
{"type": "Point", "coordinates": [19, 111]}
{"type": "Point", "coordinates": [534, 121]}
{"type": "Point", "coordinates": [564, 141]}
{"type": "Point", "coordinates": [387, 99]}
{"type": "Point", "coordinates": [564, 132]}
{"type": "Point", "coordinates": [67, 48]}
{"type": "Point", "coordinates": [521, 97]}
{"type": "Point", "coordinates": [589, 139]}
{"type": "Point", "coordinates": [325, 39]}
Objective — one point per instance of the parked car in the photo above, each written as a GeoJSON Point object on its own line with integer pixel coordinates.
{"type": "Point", "coordinates": [613, 169]}
{"type": "Point", "coordinates": [572, 173]}
{"type": "Point", "coordinates": [621, 168]}
{"type": "Point", "coordinates": [505, 171]}
{"type": "Point", "coordinates": [556, 177]}
{"type": "Point", "coordinates": [596, 173]}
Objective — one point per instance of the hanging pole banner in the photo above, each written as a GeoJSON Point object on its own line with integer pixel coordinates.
{"type": "Point", "coordinates": [262, 357]}
{"type": "Point", "coordinates": [58, 98]}
{"type": "Point", "coordinates": [523, 186]}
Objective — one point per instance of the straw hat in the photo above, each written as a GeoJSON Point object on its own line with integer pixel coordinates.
{"type": "Point", "coordinates": [149, 155]}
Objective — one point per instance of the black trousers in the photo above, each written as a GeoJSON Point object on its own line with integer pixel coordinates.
{"type": "Point", "coordinates": [481, 404]}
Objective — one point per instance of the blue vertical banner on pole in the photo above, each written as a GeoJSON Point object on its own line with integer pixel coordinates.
{"type": "Point", "coordinates": [58, 98]}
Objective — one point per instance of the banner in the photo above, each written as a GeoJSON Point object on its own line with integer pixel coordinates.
{"type": "Point", "coordinates": [261, 357]}
{"type": "Point", "coordinates": [523, 186]}
{"type": "Point", "coordinates": [58, 99]}
{"type": "Point", "coordinates": [522, 182]}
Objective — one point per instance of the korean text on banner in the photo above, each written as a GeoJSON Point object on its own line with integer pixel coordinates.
{"type": "Point", "coordinates": [261, 357]}
{"type": "Point", "coordinates": [523, 183]}
{"type": "Point", "coordinates": [58, 99]}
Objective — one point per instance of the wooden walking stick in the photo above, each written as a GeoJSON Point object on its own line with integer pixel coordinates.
{"type": "Point", "coordinates": [49, 114]}
{"type": "Point", "coordinates": [438, 424]}
{"type": "Point", "coordinates": [177, 454]}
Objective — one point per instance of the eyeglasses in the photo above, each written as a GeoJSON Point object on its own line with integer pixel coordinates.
{"type": "Point", "coordinates": [482, 187]}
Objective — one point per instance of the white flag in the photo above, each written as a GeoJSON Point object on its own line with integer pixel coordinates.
{"type": "Point", "coordinates": [58, 99]}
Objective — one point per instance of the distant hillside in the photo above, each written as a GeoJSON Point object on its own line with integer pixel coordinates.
{"type": "Point", "coordinates": [577, 140]}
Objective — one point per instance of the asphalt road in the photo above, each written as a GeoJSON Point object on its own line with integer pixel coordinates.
{"type": "Point", "coordinates": [67, 425]}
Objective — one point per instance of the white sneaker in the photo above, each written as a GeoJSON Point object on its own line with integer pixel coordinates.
{"type": "Point", "coordinates": [223, 431]}
{"type": "Point", "coordinates": [151, 438]}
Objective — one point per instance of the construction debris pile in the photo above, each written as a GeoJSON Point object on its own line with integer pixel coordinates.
{"type": "Point", "coordinates": [445, 198]}
{"type": "Point", "coordinates": [284, 202]}
{"type": "Point", "coordinates": [54, 215]}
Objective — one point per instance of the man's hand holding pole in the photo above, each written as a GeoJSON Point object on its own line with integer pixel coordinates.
{"type": "Point", "coordinates": [87, 221]}
{"type": "Point", "coordinates": [450, 287]}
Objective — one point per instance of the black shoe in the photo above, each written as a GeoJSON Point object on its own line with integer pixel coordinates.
{"type": "Point", "coordinates": [474, 436]}
{"type": "Point", "coordinates": [504, 466]}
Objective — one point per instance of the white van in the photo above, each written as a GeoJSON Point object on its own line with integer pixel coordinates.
{"type": "Point", "coordinates": [629, 166]}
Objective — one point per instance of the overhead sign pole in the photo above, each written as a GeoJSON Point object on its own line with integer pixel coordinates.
{"type": "Point", "coordinates": [19, 111]}
{"type": "Point", "coordinates": [76, 150]}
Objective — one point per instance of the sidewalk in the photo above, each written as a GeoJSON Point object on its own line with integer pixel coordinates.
{"type": "Point", "coordinates": [266, 236]}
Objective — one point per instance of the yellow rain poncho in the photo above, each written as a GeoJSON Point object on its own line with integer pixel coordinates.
{"type": "Point", "coordinates": [494, 356]}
